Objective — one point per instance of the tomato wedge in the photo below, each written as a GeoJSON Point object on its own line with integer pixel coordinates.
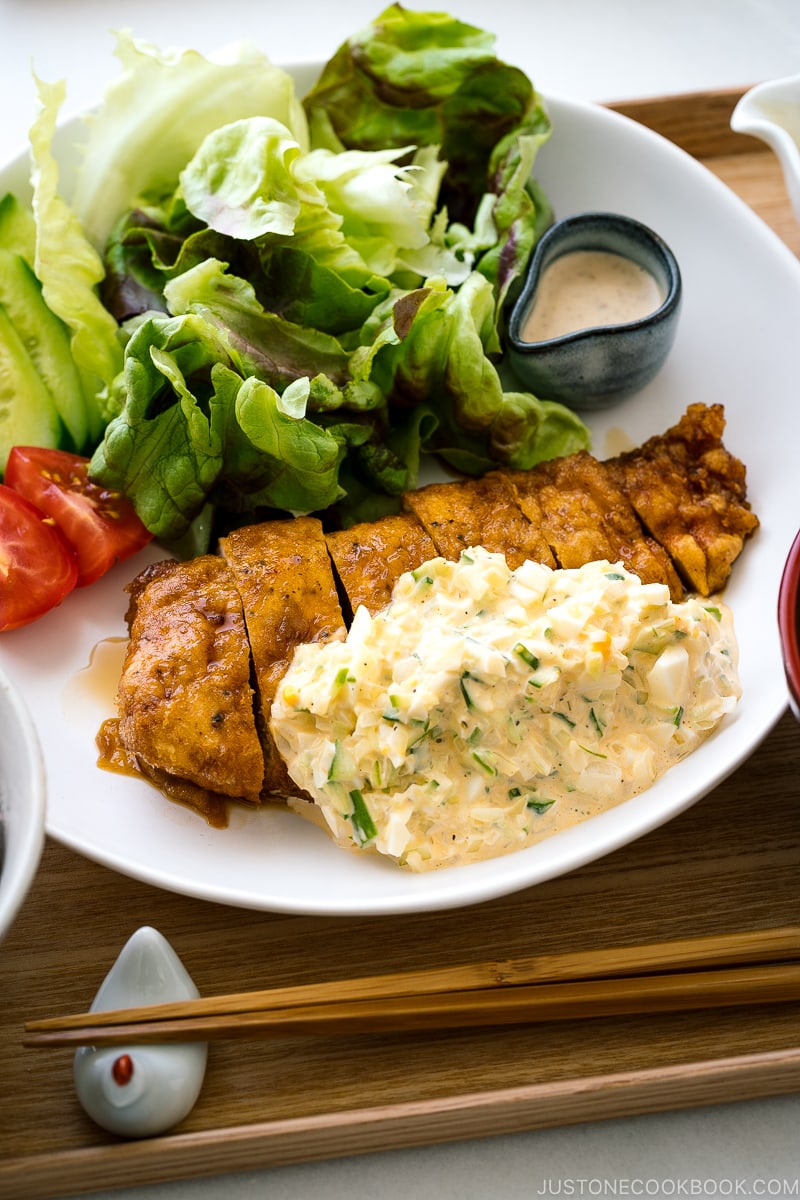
{"type": "Point", "coordinates": [101, 525]}
{"type": "Point", "coordinates": [37, 566]}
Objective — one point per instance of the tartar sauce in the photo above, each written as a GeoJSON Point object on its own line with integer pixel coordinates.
{"type": "Point", "coordinates": [484, 709]}
{"type": "Point", "coordinates": [588, 288]}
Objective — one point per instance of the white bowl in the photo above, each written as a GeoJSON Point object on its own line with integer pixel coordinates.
{"type": "Point", "coordinates": [22, 802]}
{"type": "Point", "coordinates": [771, 111]}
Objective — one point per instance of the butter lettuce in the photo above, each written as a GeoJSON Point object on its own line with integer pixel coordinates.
{"type": "Point", "coordinates": [153, 118]}
{"type": "Point", "coordinates": [269, 346]}
{"type": "Point", "coordinates": [69, 270]}
{"type": "Point", "coordinates": [192, 425]}
{"type": "Point", "coordinates": [240, 181]}
{"type": "Point", "coordinates": [426, 79]}
{"type": "Point", "coordinates": [298, 299]}
{"type": "Point", "coordinates": [251, 180]}
{"type": "Point", "coordinates": [433, 349]}
{"type": "Point", "coordinates": [157, 113]}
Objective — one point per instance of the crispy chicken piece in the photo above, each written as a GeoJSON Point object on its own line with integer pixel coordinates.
{"type": "Point", "coordinates": [690, 494]}
{"type": "Point", "coordinates": [370, 557]}
{"type": "Point", "coordinates": [184, 698]}
{"type": "Point", "coordinates": [284, 575]}
{"type": "Point", "coordinates": [212, 638]}
{"type": "Point", "coordinates": [139, 585]}
{"type": "Point", "coordinates": [586, 517]}
{"type": "Point", "coordinates": [478, 512]}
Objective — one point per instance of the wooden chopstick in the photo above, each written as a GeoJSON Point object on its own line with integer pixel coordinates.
{"type": "Point", "coordinates": [737, 969]}
{"type": "Point", "coordinates": [502, 1005]}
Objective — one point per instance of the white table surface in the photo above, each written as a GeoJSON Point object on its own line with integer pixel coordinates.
{"type": "Point", "coordinates": [593, 50]}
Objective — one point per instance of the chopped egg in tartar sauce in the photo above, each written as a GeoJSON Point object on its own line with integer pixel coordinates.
{"type": "Point", "coordinates": [485, 709]}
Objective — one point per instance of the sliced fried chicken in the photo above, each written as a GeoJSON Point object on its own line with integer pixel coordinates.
{"type": "Point", "coordinates": [690, 494]}
{"type": "Point", "coordinates": [284, 576]}
{"type": "Point", "coordinates": [585, 517]}
{"type": "Point", "coordinates": [478, 512]}
{"type": "Point", "coordinates": [211, 639]}
{"type": "Point", "coordinates": [370, 557]}
{"type": "Point", "coordinates": [184, 698]}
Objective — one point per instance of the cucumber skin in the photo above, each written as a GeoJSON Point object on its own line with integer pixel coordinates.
{"type": "Point", "coordinates": [17, 228]}
{"type": "Point", "coordinates": [27, 414]}
{"type": "Point", "coordinates": [47, 341]}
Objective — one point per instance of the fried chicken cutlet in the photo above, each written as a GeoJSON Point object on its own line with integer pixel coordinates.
{"type": "Point", "coordinates": [478, 512]}
{"type": "Point", "coordinates": [184, 696]}
{"type": "Point", "coordinates": [211, 639]}
{"type": "Point", "coordinates": [284, 576]}
{"type": "Point", "coordinates": [585, 516]}
{"type": "Point", "coordinates": [690, 494]}
{"type": "Point", "coordinates": [371, 556]}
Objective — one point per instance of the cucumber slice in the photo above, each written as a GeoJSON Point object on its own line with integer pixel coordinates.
{"type": "Point", "coordinates": [27, 414]}
{"type": "Point", "coordinates": [47, 342]}
{"type": "Point", "coordinates": [342, 768]}
{"type": "Point", "coordinates": [17, 228]}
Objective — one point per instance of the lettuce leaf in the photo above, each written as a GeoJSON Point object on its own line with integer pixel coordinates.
{"type": "Point", "coordinates": [193, 428]}
{"type": "Point", "coordinates": [434, 348]}
{"type": "Point", "coordinates": [156, 114]}
{"type": "Point", "coordinates": [311, 295]}
{"type": "Point", "coordinates": [267, 345]}
{"type": "Point", "coordinates": [240, 180]}
{"type": "Point", "coordinates": [70, 269]}
{"type": "Point", "coordinates": [426, 79]}
{"type": "Point", "coordinates": [250, 180]}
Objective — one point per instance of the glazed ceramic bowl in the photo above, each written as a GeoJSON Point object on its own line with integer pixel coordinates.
{"type": "Point", "coordinates": [789, 623]}
{"type": "Point", "coordinates": [22, 802]}
{"type": "Point", "coordinates": [771, 111]}
{"type": "Point", "coordinates": [595, 366]}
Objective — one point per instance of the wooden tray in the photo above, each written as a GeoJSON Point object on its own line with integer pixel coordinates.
{"type": "Point", "coordinates": [731, 862]}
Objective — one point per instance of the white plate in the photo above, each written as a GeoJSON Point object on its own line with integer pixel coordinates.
{"type": "Point", "coordinates": [737, 344]}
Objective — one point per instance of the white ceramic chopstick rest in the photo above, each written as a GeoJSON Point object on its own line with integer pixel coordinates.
{"type": "Point", "coordinates": [133, 1090]}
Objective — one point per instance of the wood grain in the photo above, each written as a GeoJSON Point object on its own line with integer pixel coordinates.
{"type": "Point", "coordinates": [698, 122]}
{"type": "Point", "coordinates": [731, 862]}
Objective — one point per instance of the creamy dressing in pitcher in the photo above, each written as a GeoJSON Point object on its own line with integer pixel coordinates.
{"type": "Point", "coordinates": [588, 288]}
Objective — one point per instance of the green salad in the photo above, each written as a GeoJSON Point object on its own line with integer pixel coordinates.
{"type": "Point", "coordinates": [275, 302]}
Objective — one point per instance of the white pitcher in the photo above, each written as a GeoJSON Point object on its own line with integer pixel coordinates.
{"type": "Point", "coordinates": [771, 111]}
